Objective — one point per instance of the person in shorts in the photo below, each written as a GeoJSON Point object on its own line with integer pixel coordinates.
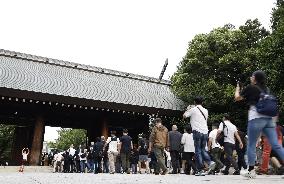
{"type": "Point", "coordinates": [143, 153]}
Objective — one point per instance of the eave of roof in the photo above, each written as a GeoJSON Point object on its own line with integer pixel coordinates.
{"type": "Point", "coordinates": [89, 83]}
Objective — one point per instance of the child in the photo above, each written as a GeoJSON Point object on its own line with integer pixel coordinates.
{"type": "Point", "coordinates": [25, 153]}
{"type": "Point", "coordinates": [134, 158]}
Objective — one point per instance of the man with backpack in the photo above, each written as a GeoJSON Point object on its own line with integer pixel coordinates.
{"type": "Point", "coordinates": [230, 132]}
{"type": "Point", "coordinates": [214, 148]}
{"type": "Point", "coordinates": [113, 149]}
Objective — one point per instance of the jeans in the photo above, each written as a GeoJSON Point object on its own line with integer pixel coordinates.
{"type": "Point", "coordinates": [97, 165]}
{"type": "Point", "coordinates": [229, 148]}
{"type": "Point", "coordinates": [175, 161]}
{"type": "Point", "coordinates": [83, 165]}
{"type": "Point", "coordinates": [241, 159]}
{"type": "Point", "coordinates": [90, 165]}
{"type": "Point", "coordinates": [159, 153]}
{"type": "Point", "coordinates": [134, 168]}
{"type": "Point", "coordinates": [201, 155]}
{"type": "Point", "coordinates": [255, 127]}
{"type": "Point", "coordinates": [105, 165]}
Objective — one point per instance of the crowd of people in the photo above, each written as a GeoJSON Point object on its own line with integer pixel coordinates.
{"type": "Point", "coordinates": [198, 151]}
{"type": "Point", "coordinates": [111, 155]}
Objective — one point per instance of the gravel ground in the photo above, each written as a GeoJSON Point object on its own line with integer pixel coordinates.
{"type": "Point", "coordinates": [62, 178]}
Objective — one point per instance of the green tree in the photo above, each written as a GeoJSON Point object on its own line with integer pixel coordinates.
{"type": "Point", "coordinates": [213, 64]}
{"type": "Point", "coordinates": [70, 136]}
{"type": "Point", "coordinates": [272, 50]}
{"type": "Point", "coordinates": [6, 140]}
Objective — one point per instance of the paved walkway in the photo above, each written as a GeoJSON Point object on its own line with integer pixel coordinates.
{"type": "Point", "coordinates": [62, 178]}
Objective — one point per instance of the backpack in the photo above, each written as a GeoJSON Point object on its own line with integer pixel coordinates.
{"type": "Point", "coordinates": [220, 138]}
{"type": "Point", "coordinates": [144, 144]}
{"type": "Point", "coordinates": [267, 104]}
{"type": "Point", "coordinates": [83, 155]}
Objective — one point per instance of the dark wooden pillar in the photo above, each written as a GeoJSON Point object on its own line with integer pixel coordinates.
{"type": "Point", "coordinates": [36, 149]}
{"type": "Point", "coordinates": [104, 130]}
{"type": "Point", "coordinates": [22, 139]}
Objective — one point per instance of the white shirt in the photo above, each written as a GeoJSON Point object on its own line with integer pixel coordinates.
{"type": "Point", "coordinates": [85, 158]}
{"type": "Point", "coordinates": [213, 135]}
{"type": "Point", "coordinates": [187, 141]}
{"type": "Point", "coordinates": [58, 157]}
{"type": "Point", "coordinates": [229, 132]}
{"type": "Point", "coordinates": [72, 151]}
{"type": "Point", "coordinates": [113, 145]}
{"type": "Point", "coordinates": [197, 120]}
{"type": "Point", "coordinates": [25, 156]}
{"type": "Point", "coordinates": [253, 114]}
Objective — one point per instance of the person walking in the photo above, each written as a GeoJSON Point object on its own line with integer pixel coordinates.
{"type": "Point", "coordinates": [113, 149]}
{"type": "Point", "coordinates": [105, 162]}
{"type": "Point", "coordinates": [267, 152]}
{"type": "Point", "coordinates": [241, 151]}
{"type": "Point", "coordinates": [98, 155]}
{"type": "Point", "coordinates": [214, 148]}
{"type": "Point", "coordinates": [72, 152]}
{"type": "Point", "coordinates": [90, 158]}
{"type": "Point", "coordinates": [198, 119]}
{"type": "Point", "coordinates": [188, 150]}
{"type": "Point", "coordinates": [174, 148]}
{"type": "Point", "coordinates": [230, 133]}
{"type": "Point", "coordinates": [158, 142]}
{"type": "Point", "coordinates": [143, 145]}
{"type": "Point", "coordinates": [258, 123]}
{"type": "Point", "coordinates": [83, 160]}
{"type": "Point", "coordinates": [126, 146]}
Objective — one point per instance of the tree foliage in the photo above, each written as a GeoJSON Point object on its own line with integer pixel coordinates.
{"type": "Point", "coordinates": [213, 64]}
{"type": "Point", "coordinates": [6, 140]}
{"type": "Point", "coordinates": [272, 50]}
{"type": "Point", "coordinates": [69, 136]}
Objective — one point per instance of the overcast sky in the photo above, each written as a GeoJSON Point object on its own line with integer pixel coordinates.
{"type": "Point", "coordinates": [134, 36]}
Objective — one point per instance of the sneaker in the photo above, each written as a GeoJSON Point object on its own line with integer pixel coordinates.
{"type": "Point", "coordinates": [200, 173]}
{"type": "Point", "coordinates": [280, 171]}
{"type": "Point", "coordinates": [249, 174]}
{"type": "Point", "coordinates": [211, 166]}
{"type": "Point", "coordinates": [237, 172]}
{"type": "Point", "coordinates": [181, 171]}
{"type": "Point", "coordinates": [165, 172]}
{"type": "Point", "coordinates": [225, 172]}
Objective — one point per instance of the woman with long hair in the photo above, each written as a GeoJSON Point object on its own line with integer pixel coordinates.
{"type": "Point", "coordinates": [257, 123]}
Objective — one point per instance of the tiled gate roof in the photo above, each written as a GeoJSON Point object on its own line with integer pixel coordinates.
{"type": "Point", "coordinates": [55, 77]}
